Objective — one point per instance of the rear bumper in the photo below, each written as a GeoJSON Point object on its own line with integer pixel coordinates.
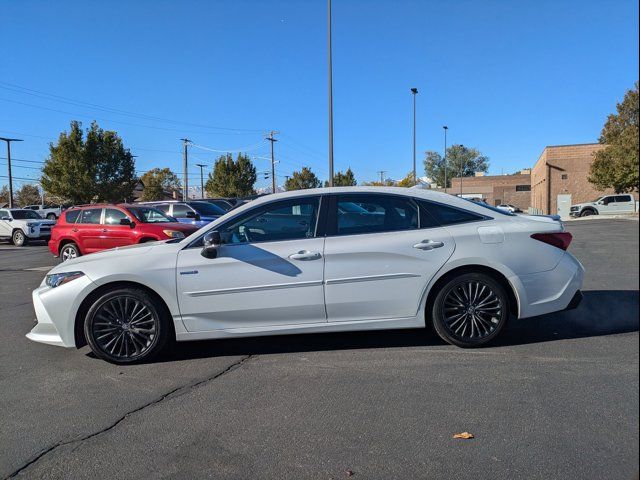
{"type": "Point", "coordinates": [575, 301]}
{"type": "Point", "coordinates": [552, 291]}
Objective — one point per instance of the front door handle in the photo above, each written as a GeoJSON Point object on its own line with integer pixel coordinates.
{"type": "Point", "coordinates": [305, 255]}
{"type": "Point", "coordinates": [428, 245]}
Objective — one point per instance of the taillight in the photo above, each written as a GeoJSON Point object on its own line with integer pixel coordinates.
{"type": "Point", "coordinates": [558, 239]}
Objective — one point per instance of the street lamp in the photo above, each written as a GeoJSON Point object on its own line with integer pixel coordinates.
{"type": "Point", "coordinates": [414, 91]}
{"type": "Point", "coordinates": [9, 140]}
{"type": "Point", "coordinates": [445, 128]}
{"type": "Point", "coordinates": [201, 165]}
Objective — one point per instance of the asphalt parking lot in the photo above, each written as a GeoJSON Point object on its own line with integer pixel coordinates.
{"type": "Point", "coordinates": [556, 397]}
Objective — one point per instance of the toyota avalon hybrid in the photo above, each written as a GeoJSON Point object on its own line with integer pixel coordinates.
{"type": "Point", "coordinates": [325, 260]}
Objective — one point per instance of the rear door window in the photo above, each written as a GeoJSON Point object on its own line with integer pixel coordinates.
{"type": "Point", "coordinates": [376, 213]}
{"type": "Point", "coordinates": [447, 215]}
{"type": "Point", "coordinates": [91, 215]}
{"type": "Point", "coordinates": [71, 216]}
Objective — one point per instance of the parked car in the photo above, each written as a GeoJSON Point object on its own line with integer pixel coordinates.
{"type": "Point", "coordinates": [607, 205]}
{"type": "Point", "coordinates": [509, 208]}
{"type": "Point", "coordinates": [50, 212]}
{"type": "Point", "coordinates": [198, 213]}
{"type": "Point", "coordinates": [21, 225]}
{"type": "Point", "coordinates": [93, 228]}
{"type": "Point", "coordinates": [222, 203]}
{"type": "Point", "coordinates": [428, 258]}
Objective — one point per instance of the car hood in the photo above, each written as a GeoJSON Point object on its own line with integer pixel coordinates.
{"type": "Point", "coordinates": [104, 256]}
{"type": "Point", "coordinates": [585, 204]}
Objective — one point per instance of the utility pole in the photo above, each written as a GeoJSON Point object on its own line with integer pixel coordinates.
{"type": "Point", "coordinates": [201, 165]}
{"type": "Point", "coordinates": [445, 128]}
{"type": "Point", "coordinates": [273, 161]}
{"type": "Point", "coordinates": [185, 165]}
{"type": "Point", "coordinates": [462, 167]}
{"type": "Point", "coordinates": [382, 172]}
{"type": "Point", "coordinates": [330, 98]}
{"type": "Point", "coordinates": [9, 140]}
{"type": "Point", "coordinates": [414, 91]}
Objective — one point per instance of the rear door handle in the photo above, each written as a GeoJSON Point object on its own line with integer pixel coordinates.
{"type": "Point", "coordinates": [305, 255]}
{"type": "Point", "coordinates": [428, 245]}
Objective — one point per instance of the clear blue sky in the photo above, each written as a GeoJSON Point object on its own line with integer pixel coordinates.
{"type": "Point", "coordinates": [507, 77]}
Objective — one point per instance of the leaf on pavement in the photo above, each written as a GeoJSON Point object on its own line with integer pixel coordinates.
{"type": "Point", "coordinates": [463, 435]}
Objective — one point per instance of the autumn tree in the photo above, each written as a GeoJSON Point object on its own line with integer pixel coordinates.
{"type": "Point", "coordinates": [231, 178]}
{"type": "Point", "coordinates": [616, 166]}
{"type": "Point", "coordinates": [92, 167]}
{"type": "Point", "coordinates": [302, 179]}
{"type": "Point", "coordinates": [157, 181]}
{"type": "Point", "coordinates": [461, 161]}
{"type": "Point", "coordinates": [407, 181]}
{"type": "Point", "coordinates": [28, 194]}
{"type": "Point", "coordinates": [346, 179]}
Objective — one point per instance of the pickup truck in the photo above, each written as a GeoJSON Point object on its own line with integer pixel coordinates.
{"type": "Point", "coordinates": [50, 212]}
{"type": "Point", "coordinates": [606, 205]}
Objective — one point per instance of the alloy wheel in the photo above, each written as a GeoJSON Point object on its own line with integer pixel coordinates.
{"type": "Point", "coordinates": [18, 238]}
{"type": "Point", "coordinates": [68, 253]}
{"type": "Point", "coordinates": [124, 328]}
{"type": "Point", "coordinates": [472, 310]}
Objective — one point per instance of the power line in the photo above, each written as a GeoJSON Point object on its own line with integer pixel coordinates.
{"type": "Point", "coordinates": [81, 103]}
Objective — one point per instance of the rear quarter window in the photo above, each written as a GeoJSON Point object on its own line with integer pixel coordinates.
{"type": "Point", "coordinates": [70, 216]}
{"type": "Point", "coordinates": [446, 215]}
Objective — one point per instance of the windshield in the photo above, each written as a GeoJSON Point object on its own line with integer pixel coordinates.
{"type": "Point", "coordinates": [489, 207]}
{"type": "Point", "coordinates": [207, 209]}
{"type": "Point", "coordinates": [150, 215]}
{"type": "Point", "coordinates": [596, 199]}
{"type": "Point", "coordinates": [25, 215]}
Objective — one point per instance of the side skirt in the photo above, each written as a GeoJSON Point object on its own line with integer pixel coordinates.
{"type": "Point", "coordinates": [325, 327]}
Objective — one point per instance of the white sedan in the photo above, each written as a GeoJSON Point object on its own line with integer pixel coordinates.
{"type": "Point", "coordinates": [324, 260]}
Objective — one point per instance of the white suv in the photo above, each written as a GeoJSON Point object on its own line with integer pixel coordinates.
{"type": "Point", "coordinates": [21, 225]}
{"type": "Point", "coordinates": [50, 212]}
{"type": "Point", "coordinates": [607, 205]}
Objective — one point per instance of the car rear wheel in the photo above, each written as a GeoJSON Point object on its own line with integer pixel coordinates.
{"type": "Point", "coordinates": [470, 310]}
{"type": "Point", "coordinates": [125, 326]}
{"type": "Point", "coordinates": [18, 238]}
{"type": "Point", "coordinates": [69, 251]}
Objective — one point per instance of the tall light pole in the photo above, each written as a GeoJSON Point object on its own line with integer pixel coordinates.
{"type": "Point", "coordinates": [462, 167]}
{"type": "Point", "coordinates": [185, 165]}
{"type": "Point", "coordinates": [445, 128]}
{"type": "Point", "coordinates": [201, 165]}
{"type": "Point", "coordinates": [414, 91]}
{"type": "Point", "coordinates": [9, 140]}
{"type": "Point", "coordinates": [330, 98]}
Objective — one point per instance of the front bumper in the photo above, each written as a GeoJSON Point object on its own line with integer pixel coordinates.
{"type": "Point", "coordinates": [56, 311]}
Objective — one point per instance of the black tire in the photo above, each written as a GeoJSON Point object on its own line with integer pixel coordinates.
{"type": "Point", "coordinates": [69, 251]}
{"type": "Point", "coordinates": [51, 216]}
{"type": "Point", "coordinates": [470, 310]}
{"type": "Point", "coordinates": [588, 213]}
{"type": "Point", "coordinates": [18, 238]}
{"type": "Point", "coordinates": [142, 335]}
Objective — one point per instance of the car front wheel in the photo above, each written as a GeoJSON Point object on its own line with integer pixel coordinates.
{"type": "Point", "coordinates": [587, 213]}
{"type": "Point", "coordinates": [51, 216]}
{"type": "Point", "coordinates": [125, 325]}
{"type": "Point", "coordinates": [18, 238]}
{"type": "Point", "coordinates": [470, 310]}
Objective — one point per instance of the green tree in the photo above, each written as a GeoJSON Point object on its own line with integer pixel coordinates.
{"type": "Point", "coordinates": [346, 179]}
{"type": "Point", "coordinates": [95, 168]}
{"type": "Point", "coordinates": [301, 180]}
{"type": "Point", "coordinates": [616, 166]}
{"type": "Point", "coordinates": [157, 181]}
{"type": "Point", "coordinates": [4, 195]}
{"type": "Point", "coordinates": [28, 194]}
{"type": "Point", "coordinates": [461, 162]}
{"type": "Point", "coordinates": [231, 178]}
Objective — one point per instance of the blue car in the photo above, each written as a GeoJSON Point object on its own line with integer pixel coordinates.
{"type": "Point", "coordinates": [193, 212]}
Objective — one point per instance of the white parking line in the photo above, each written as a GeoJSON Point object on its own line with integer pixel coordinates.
{"type": "Point", "coordinates": [39, 269]}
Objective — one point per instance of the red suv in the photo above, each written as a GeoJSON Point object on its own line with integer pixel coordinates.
{"type": "Point", "coordinates": [93, 228]}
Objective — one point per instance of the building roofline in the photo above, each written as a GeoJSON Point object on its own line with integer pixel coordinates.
{"type": "Point", "coordinates": [560, 146]}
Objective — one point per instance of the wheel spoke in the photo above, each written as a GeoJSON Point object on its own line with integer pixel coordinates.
{"type": "Point", "coordinates": [471, 310]}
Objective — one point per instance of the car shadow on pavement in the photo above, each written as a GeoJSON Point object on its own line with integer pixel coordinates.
{"type": "Point", "coordinates": [602, 312]}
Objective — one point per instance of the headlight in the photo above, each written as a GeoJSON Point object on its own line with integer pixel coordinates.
{"type": "Point", "coordinates": [173, 233]}
{"type": "Point", "coordinates": [56, 279]}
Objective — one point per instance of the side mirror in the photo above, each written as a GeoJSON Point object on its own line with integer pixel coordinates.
{"type": "Point", "coordinates": [126, 221]}
{"type": "Point", "coordinates": [211, 242]}
{"type": "Point", "coordinates": [6, 219]}
{"type": "Point", "coordinates": [190, 214]}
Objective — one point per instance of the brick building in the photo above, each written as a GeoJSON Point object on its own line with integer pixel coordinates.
{"type": "Point", "coordinates": [559, 178]}
{"type": "Point", "coordinates": [496, 189]}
